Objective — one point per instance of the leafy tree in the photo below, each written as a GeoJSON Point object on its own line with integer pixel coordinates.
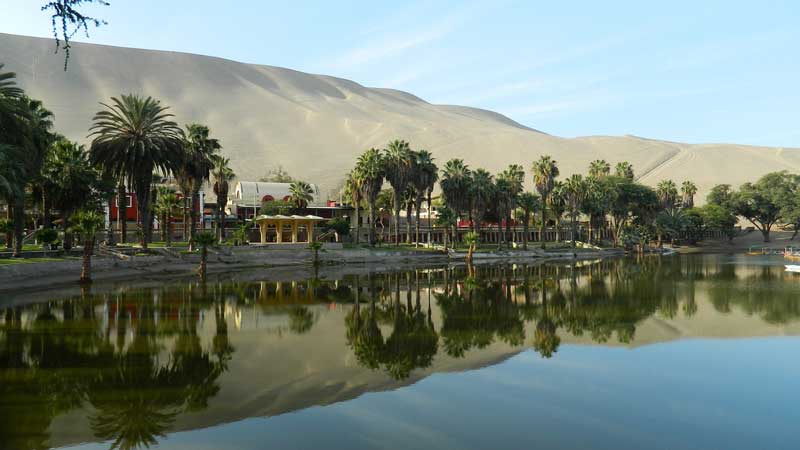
{"type": "Point", "coordinates": [277, 175]}
{"type": "Point", "coordinates": [721, 195]}
{"type": "Point", "coordinates": [276, 207]}
{"type": "Point", "coordinates": [760, 202]}
{"type": "Point", "coordinates": [719, 218]}
{"type": "Point", "coordinates": [132, 137]}
{"type": "Point", "coordinates": [448, 220]}
{"type": "Point", "coordinates": [632, 202]}
{"type": "Point", "coordinates": [545, 171]}
{"type": "Point", "coordinates": [597, 203]}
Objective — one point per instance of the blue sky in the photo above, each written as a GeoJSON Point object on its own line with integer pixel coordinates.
{"type": "Point", "coordinates": [688, 71]}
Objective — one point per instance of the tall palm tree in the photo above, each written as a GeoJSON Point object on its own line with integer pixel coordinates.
{"type": "Point", "coordinates": [352, 192]}
{"type": "Point", "coordinates": [545, 171]}
{"type": "Point", "coordinates": [481, 193]}
{"type": "Point", "coordinates": [398, 168]}
{"type": "Point", "coordinates": [529, 202]}
{"type": "Point", "coordinates": [574, 195]}
{"type": "Point", "coordinates": [423, 180]}
{"type": "Point", "coordinates": [132, 137]}
{"type": "Point", "coordinates": [515, 178]}
{"type": "Point", "coordinates": [223, 175]}
{"type": "Point", "coordinates": [34, 142]}
{"type": "Point", "coordinates": [599, 168]}
{"type": "Point", "coordinates": [369, 172]}
{"type": "Point", "coordinates": [455, 184]}
{"type": "Point", "coordinates": [624, 169]}
{"type": "Point", "coordinates": [204, 240]}
{"type": "Point", "coordinates": [302, 193]}
{"type": "Point", "coordinates": [688, 190]}
{"type": "Point", "coordinates": [667, 193]}
{"type": "Point", "coordinates": [556, 201]}
{"type": "Point", "coordinates": [200, 150]}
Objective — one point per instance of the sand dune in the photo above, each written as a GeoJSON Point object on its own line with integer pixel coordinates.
{"type": "Point", "coordinates": [316, 125]}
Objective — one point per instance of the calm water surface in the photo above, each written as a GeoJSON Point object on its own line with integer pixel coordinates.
{"type": "Point", "coordinates": [695, 352]}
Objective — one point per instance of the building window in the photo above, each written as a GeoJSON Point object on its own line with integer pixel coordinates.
{"type": "Point", "coordinates": [129, 199]}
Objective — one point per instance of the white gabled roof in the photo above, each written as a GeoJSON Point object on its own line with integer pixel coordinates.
{"type": "Point", "coordinates": [250, 192]}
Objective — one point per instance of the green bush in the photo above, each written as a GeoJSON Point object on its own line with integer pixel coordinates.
{"type": "Point", "coordinates": [338, 224]}
{"type": "Point", "coordinates": [46, 235]}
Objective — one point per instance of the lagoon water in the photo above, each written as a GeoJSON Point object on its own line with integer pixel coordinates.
{"type": "Point", "coordinates": [684, 352]}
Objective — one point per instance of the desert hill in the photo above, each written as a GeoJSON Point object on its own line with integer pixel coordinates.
{"type": "Point", "coordinates": [316, 125]}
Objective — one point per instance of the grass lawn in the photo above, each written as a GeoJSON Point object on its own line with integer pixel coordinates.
{"type": "Point", "coordinates": [155, 244]}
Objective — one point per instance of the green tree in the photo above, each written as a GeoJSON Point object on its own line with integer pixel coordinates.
{"type": "Point", "coordinates": [720, 219]}
{"type": "Point", "coordinates": [423, 180]}
{"type": "Point", "coordinates": [370, 173]}
{"type": "Point", "coordinates": [167, 203]}
{"type": "Point", "coordinates": [455, 184]}
{"type": "Point", "coordinates": [132, 137]}
{"type": "Point", "coordinates": [353, 195]}
{"type": "Point", "coordinates": [302, 193]}
{"type": "Point", "coordinates": [515, 178]}
{"type": "Point", "coordinates": [199, 156]}
{"type": "Point", "coordinates": [574, 196]}
{"type": "Point", "coordinates": [624, 169]}
{"type": "Point", "coordinates": [760, 202]}
{"type": "Point", "coordinates": [204, 240]}
{"type": "Point", "coordinates": [599, 168]}
{"type": "Point", "coordinates": [667, 193]}
{"type": "Point", "coordinates": [688, 191]}
{"type": "Point", "coordinates": [481, 195]}
{"type": "Point", "coordinates": [398, 169]}
{"type": "Point", "coordinates": [223, 175]}
{"type": "Point", "coordinates": [545, 172]}
{"type": "Point", "coordinates": [446, 219]}
{"type": "Point", "coordinates": [87, 223]}
{"type": "Point", "coordinates": [529, 203]}
{"type": "Point", "coordinates": [67, 20]}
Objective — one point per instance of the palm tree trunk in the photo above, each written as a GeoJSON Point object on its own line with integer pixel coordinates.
{"type": "Point", "coordinates": [185, 218]}
{"type": "Point", "coordinates": [416, 226]}
{"type": "Point", "coordinates": [10, 218]}
{"type": "Point", "coordinates": [544, 220]}
{"type": "Point", "coordinates": [574, 230]}
{"type": "Point", "coordinates": [408, 223]}
{"type": "Point", "coordinates": [430, 214]}
{"type": "Point", "coordinates": [203, 263]}
{"type": "Point", "coordinates": [122, 207]}
{"type": "Point", "coordinates": [19, 223]}
{"type": "Point", "coordinates": [193, 219]}
{"type": "Point", "coordinates": [371, 230]}
{"type": "Point", "coordinates": [65, 217]}
{"type": "Point", "coordinates": [110, 239]}
{"type": "Point", "coordinates": [168, 228]}
{"type": "Point", "coordinates": [509, 236]}
{"type": "Point", "coordinates": [527, 219]}
{"type": "Point", "coordinates": [143, 196]}
{"type": "Point", "coordinates": [164, 231]}
{"type": "Point", "coordinates": [396, 218]}
{"type": "Point", "coordinates": [86, 270]}
{"type": "Point", "coordinates": [47, 217]}
{"type": "Point", "coordinates": [357, 238]}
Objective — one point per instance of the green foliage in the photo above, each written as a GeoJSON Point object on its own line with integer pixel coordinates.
{"type": "Point", "coordinates": [761, 202]}
{"type": "Point", "coordinates": [471, 238]}
{"type": "Point", "coordinates": [338, 224]}
{"type": "Point", "coordinates": [205, 239]}
{"type": "Point", "coordinates": [302, 193]}
{"type": "Point", "coordinates": [6, 226]}
{"type": "Point", "coordinates": [718, 218]}
{"type": "Point", "coordinates": [87, 223]}
{"type": "Point", "coordinates": [276, 207]}
{"type": "Point", "coordinates": [240, 236]}
{"type": "Point", "coordinates": [276, 175]}
{"type": "Point", "coordinates": [46, 235]}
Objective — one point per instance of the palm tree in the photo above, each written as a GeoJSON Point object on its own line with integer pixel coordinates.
{"type": "Point", "coordinates": [529, 202]}
{"type": "Point", "coordinates": [558, 205]}
{"type": "Point", "coordinates": [70, 181]}
{"type": "Point", "coordinates": [545, 171]}
{"type": "Point", "coordinates": [132, 137]}
{"type": "Point", "coordinates": [446, 219]}
{"type": "Point", "coordinates": [423, 180]}
{"type": "Point", "coordinates": [515, 178]}
{"type": "Point", "coordinates": [369, 172]}
{"type": "Point", "coordinates": [574, 195]}
{"type": "Point", "coordinates": [471, 239]}
{"type": "Point", "coordinates": [398, 168]}
{"type": "Point", "coordinates": [502, 204]}
{"type": "Point", "coordinates": [352, 192]}
{"type": "Point", "coordinates": [599, 168]}
{"type": "Point", "coordinates": [87, 224]}
{"type": "Point", "coordinates": [667, 193]}
{"type": "Point", "coordinates": [223, 175]}
{"type": "Point", "coordinates": [302, 193]}
{"type": "Point", "coordinates": [200, 151]}
{"type": "Point", "coordinates": [167, 202]}
{"type": "Point", "coordinates": [688, 190]}
{"type": "Point", "coordinates": [624, 169]}
{"type": "Point", "coordinates": [455, 184]}
{"type": "Point", "coordinates": [204, 240]}
{"type": "Point", "coordinates": [481, 193]}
